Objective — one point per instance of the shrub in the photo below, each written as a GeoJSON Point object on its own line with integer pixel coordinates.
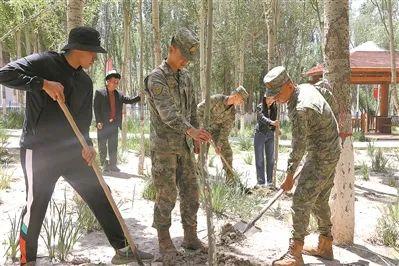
{"type": "Point", "coordinates": [388, 226]}
{"type": "Point", "coordinates": [5, 177]}
{"type": "Point", "coordinates": [379, 162]}
{"type": "Point", "coordinates": [248, 158]}
{"type": "Point", "coordinates": [12, 241]}
{"type": "Point", "coordinates": [13, 120]}
{"type": "Point", "coordinates": [149, 192]}
{"type": "Point", "coordinates": [245, 143]}
{"type": "Point", "coordinates": [365, 172]}
{"type": "Point", "coordinates": [86, 218]}
{"type": "Point", "coordinates": [359, 136]}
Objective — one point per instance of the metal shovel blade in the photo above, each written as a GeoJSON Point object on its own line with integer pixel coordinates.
{"type": "Point", "coordinates": [245, 229]}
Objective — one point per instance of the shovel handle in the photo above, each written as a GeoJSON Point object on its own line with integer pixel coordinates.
{"type": "Point", "coordinates": [221, 156]}
{"type": "Point", "coordinates": [269, 204]}
{"type": "Point", "coordinates": [104, 185]}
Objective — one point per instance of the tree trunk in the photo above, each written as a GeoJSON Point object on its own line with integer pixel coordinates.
{"type": "Point", "coordinates": [141, 80]}
{"type": "Point", "coordinates": [271, 14]}
{"type": "Point", "coordinates": [19, 93]}
{"type": "Point", "coordinates": [157, 35]}
{"type": "Point", "coordinates": [74, 13]}
{"type": "Point", "coordinates": [206, 46]}
{"type": "Point", "coordinates": [393, 57]}
{"type": "Point", "coordinates": [3, 88]}
{"type": "Point", "coordinates": [241, 69]}
{"type": "Point", "coordinates": [125, 62]}
{"type": "Point", "coordinates": [337, 72]}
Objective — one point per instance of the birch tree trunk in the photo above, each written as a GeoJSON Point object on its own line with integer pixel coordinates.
{"type": "Point", "coordinates": [205, 80]}
{"type": "Point", "coordinates": [337, 71]}
{"type": "Point", "coordinates": [271, 14]}
{"type": "Point", "coordinates": [141, 78]}
{"type": "Point", "coordinates": [19, 93]}
{"type": "Point", "coordinates": [74, 13]}
{"type": "Point", "coordinates": [393, 57]}
{"type": "Point", "coordinates": [241, 69]}
{"type": "Point", "coordinates": [157, 35]}
{"type": "Point", "coordinates": [125, 62]}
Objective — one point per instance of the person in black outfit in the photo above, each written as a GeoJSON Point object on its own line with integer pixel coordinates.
{"type": "Point", "coordinates": [264, 140]}
{"type": "Point", "coordinates": [108, 112]}
{"type": "Point", "coordinates": [49, 147]}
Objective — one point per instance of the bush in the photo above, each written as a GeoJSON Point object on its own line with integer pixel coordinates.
{"type": "Point", "coordinates": [365, 172]}
{"type": "Point", "coordinates": [13, 120]}
{"type": "Point", "coordinates": [4, 155]}
{"type": "Point", "coordinates": [359, 136]}
{"type": "Point", "coordinates": [379, 162]}
{"type": "Point", "coordinates": [248, 158]}
{"type": "Point", "coordinates": [245, 143]}
{"type": "Point", "coordinates": [149, 192]}
{"type": "Point", "coordinates": [5, 177]}
{"type": "Point", "coordinates": [388, 226]}
{"type": "Point", "coordinates": [12, 241]}
{"type": "Point", "coordinates": [86, 218]}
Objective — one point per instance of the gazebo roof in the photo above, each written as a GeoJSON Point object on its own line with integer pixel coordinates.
{"type": "Point", "coordinates": [365, 60]}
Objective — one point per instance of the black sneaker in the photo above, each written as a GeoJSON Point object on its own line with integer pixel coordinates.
{"type": "Point", "coordinates": [123, 257]}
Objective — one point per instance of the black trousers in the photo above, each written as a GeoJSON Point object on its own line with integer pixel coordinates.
{"type": "Point", "coordinates": [108, 136]}
{"type": "Point", "coordinates": [42, 167]}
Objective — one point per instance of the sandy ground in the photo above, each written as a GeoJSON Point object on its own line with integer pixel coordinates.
{"type": "Point", "coordinates": [258, 249]}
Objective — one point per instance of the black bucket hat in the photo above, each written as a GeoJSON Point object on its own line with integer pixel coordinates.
{"type": "Point", "coordinates": [85, 39]}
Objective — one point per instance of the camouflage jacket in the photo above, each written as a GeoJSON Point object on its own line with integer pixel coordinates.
{"type": "Point", "coordinates": [314, 128]}
{"type": "Point", "coordinates": [221, 118]}
{"type": "Point", "coordinates": [172, 107]}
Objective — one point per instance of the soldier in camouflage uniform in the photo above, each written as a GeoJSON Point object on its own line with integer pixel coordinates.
{"type": "Point", "coordinates": [221, 122]}
{"type": "Point", "coordinates": [173, 111]}
{"type": "Point", "coordinates": [315, 132]}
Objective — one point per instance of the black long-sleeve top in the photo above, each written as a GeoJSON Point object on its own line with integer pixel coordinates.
{"type": "Point", "coordinates": [265, 115]}
{"type": "Point", "coordinates": [45, 123]}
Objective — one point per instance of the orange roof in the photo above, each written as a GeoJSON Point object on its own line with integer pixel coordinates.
{"type": "Point", "coordinates": [364, 61]}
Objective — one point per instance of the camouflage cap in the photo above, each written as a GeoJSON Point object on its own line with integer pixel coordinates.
{"type": "Point", "coordinates": [275, 79]}
{"type": "Point", "coordinates": [242, 91]}
{"type": "Point", "coordinates": [188, 43]}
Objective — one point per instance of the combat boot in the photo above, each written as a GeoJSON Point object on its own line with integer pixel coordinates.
{"type": "Point", "coordinates": [191, 240]}
{"type": "Point", "coordinates": [293, 257]}
{"type": "Point", "coordinates": [165, 242]}
{"type": "Point", "coordinates": [324, 248]}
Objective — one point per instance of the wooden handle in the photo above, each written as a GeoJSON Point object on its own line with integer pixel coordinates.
{"type": "Point", "coordinates": [221, 156]}
{"type": "Point", "coordinates": [102, 182]}
{"type": "Point", "coordinates": [270, 203]}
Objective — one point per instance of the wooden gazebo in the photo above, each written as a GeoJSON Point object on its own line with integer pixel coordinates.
{"type": "Point", "coordinates": [369, 65]}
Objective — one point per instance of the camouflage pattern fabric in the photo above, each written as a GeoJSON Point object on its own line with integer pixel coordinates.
{"type": "Point", "coordinates": [221, 123]}
{"type": "Point", "coordinates": [172, 107]}
{"type": "Point", "coordinates": [315, 132]}
{"type": "Point", "coordinates": [169, 172]}
{"type": "Point", "coordinates": [172, 112]}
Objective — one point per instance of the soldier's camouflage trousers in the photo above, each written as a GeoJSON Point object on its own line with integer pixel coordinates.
{"type": "Point", "coordinates": [171, 173]}
{"type": "Point", "coordinates": [311, 196]}
{"type": "Point", "coordinates": [226, 152]}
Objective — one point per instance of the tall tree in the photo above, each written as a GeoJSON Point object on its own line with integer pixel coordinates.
{"type": "Point", "coordinates": [141, 80]}
{"type": "Point", "coordinates": [74, 13]}
{"type": "Point", "coordinates": [337, 71]}
{"type": "Point", "coordinates": [206, 49]}
{"type": "Point", "coordinates": [2, 88]}
{"type": "Point", "coordinates": [271, 14]}
{"type": "Point", "coordinates": [127, 19]}
{"type": "Point", "coordinates": [157, 35]}
{"type": "Point", "coordinates": [393, 56]}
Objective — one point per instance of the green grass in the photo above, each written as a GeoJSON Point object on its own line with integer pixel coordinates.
{"type": "Point", "coordinates": [86, 218]}
{"type": "Point", "coordinates": [5, 177]}
{"type": "Point", "coordinates": [245, 143]}
{"type": "Point", "coordinates": [12, 241]}
{"type": "Point", "coordinates": [388, 226]}
{"type": "Point", "coordinates": [248, 158]}
{"type": "Point", "coordinates": [149, 192]}
{"type": "Point", "coordinates": [12, 120]}
{"type": "Point", "coordinates": [364, 170]}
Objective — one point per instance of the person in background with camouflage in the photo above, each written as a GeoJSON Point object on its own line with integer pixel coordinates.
{"type": "Point", "coordinates": [315, 131]}
{"type": "Point", "coordinates": [174, 126]}
{"type": "Point", "coordinates": [221, 122]}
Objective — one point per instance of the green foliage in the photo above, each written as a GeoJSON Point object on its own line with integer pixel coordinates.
{"type": "Point", "coordinates": [231, 198]}
{"type": "Point", "coordinates": [248, 158]}
{"type": "Point", "coordinates": [12, 241]}
{"type": "Point", "coordinates": [388, 226]}
{"type": "Point", "coordinates": [13, 120]}
{"type": "Point", "coordinates": [379, 162]}
{"type": "Point", "coordinates": [245, 143]}
{"type": "Point", "coordinates": [149, 192]}
{"type": "Point", "coordinates": [5, 177]}
{"type": "Point", "coordinates": [285, 129]}
{"type": "Point", "coordinates": [133, 143]}
{"type": "Point", "coordinates": [61, 230]}
{"type": "Point", "coordinates": [364, 169]}
{"type": "Point", "coordinates": [86, 218]}
{"type": "Point", "coordinates": [359, 136]}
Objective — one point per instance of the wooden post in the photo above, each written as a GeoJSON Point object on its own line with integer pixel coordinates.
{"type": "Point", "coordinates": [383, 96]}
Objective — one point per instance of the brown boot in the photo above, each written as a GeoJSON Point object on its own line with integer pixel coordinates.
{"type": "Point", "coordinates": [323, 249]}
{"type": "Point", "coordinates": [293, 257]}
{"type": "Point", "coordinates": [165, 243]}
{"type": "Point", "coordinates": [191, 240]}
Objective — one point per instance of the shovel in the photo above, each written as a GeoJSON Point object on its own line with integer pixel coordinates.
{"type": "Point", "coordinates": [102, 182]}
{"type": "Point", "coordinates": [244, 227]}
